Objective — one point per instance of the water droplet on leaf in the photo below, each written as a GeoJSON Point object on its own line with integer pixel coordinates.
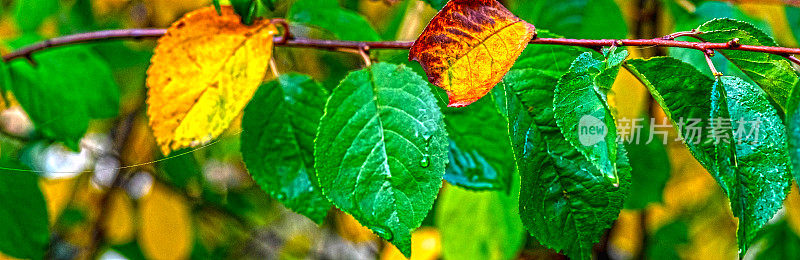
{"type": "Point", "coordinates": [425, 162]}
{"type": "Point", "coordinates": [383, 232]}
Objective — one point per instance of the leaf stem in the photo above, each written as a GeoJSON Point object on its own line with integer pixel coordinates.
{"type": "Point", "coordinates": [708, 55]}
{"type": "Point", "coordinates": [336, 45]}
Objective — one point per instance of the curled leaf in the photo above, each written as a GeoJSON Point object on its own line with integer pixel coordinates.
{"type": "Point", "coordinates": [204, 71]}
{"type": "Point", "coordinates": [469, 46]}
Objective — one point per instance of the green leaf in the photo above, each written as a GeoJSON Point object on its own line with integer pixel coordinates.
{"type": "Point", "coordinates": [595, 19]}
{"type": "Point", "coordinates": [479, 225]}
{"type": "Point", "coordinates": [278, 129]}
{"type": "Point", "coordinates": [793, 131]}
{"type": "Point", "coordinates": [29, 14]}
{"type": "Point", "coordinates": [328, 15]}
{"type": "Point", "coordinates": [772, 72]}
{"type": "Point", "coordinates": [665, 242]}
{"type": "Point", "coordinates": [70, 76]}
{"type": "Point", "coordinates": [23, 215]}
{"type": "Point", "coordinates": [650, 167]}
{"type": "Point", "coordinates": [780, 242]}
{"type": "Point", "coordinates": [437, 4]}
{"type": "Point", "coordinates": [582, 113]}
{"type": "Point", "coordinates": [246, 9]}
{"type": "Point", "coordinates": [480, 153]}
{"type": "Point", "coordinates": [381, 150]}
{"type": "Point", "coordinates": [747, 155]}
{"type": "Point", "coordinates": [708, 10]}
{"type": "Point", "coordinates": [565, 201]}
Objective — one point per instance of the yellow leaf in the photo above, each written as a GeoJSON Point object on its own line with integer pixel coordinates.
{"type": "Point", "coordinates": [469, 46]}
{"type": "Point", "coordinates": [166, 227]}
{"type": "Point", "coordinates": [118, 223]}
{"type": "Point", "coordinates": [204, 71]}
{"type": "Point", "coordinates": [57, 195]}
{"type": "Point", "coordinates": [426, 244]}
{"type": "Point", "coordinates": [349, 228]}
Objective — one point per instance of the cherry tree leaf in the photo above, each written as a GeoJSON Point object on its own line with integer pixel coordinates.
{"type": "Point", "coordinates": [771, 72]}
{"type": "Point", "coordinates": [204, 71]}
{"type": "Point", "coordinates": [381, 150]}
{"type": "Point", "coordinates": [468, 47]}
{"type": "Point", "coordinates": [732, 129]}
{"type": "Point", "coordinates": [581, 107]}
{"type": "Point", "coordinates": [278, 129]}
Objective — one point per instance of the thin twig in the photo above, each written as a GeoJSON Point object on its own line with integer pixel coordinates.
{"type": "Point", "coordinates": [693, 33]}
{"type": "Point", "coordinates": [711, 64]}
{"type": "Point", "coordinates": [274, 67]}
{"type": "Point", "coordinates": [356, 45]}
{"type": "Point", "coordinates": [364, 52]}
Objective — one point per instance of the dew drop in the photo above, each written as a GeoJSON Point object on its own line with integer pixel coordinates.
{"type": "Point", "coordinates": [280, 196]}
{"type": "Point", "coordinates": [383, 232]}
{"type": "Point", "coordinates": [425, 162]}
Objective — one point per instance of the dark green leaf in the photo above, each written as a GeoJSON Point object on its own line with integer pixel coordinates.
{"type": "Point", "coordinates": [772, 72]}
{"type": "Point", "coordinates": [23, 213]}
{"type": "Point", "coordinates": [479, 225]}
{"type": "Point", "coordinates": [480, 153]}
{"type": "Point", "coordinates": [747, 153]}
{"type": "Point", "coordinates": [71, 76]}
{"type": "Point", "coordinates": [708, 10]}
{"type": "Point", "coordinates": [246, 9]}
{"type": "Point", "coordinates": [793, 131]}
{"type": "Point", "coordinates": [381, 150]}
{"type": "Point", "coordinates": [326, 14]}
{"type": "Point", "coordinates": [650, 167]}
{"type": "Point", "coordinates": [582, 113]}
{"type": "Point", "coordinates": [565, 202]}
{"type": "Point", "coordinates": [595, 19]}
{"type": "Point", "coordinates": [278, 130]}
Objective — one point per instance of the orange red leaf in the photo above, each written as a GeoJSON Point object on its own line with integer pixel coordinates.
{"type": "Point", "coordinates": [469, 46]}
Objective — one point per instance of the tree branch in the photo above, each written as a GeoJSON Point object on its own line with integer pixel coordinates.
{"type": "Point", "coordinates": [335, 45]}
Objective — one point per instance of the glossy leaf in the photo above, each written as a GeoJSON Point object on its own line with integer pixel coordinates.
{"type": "Point", "coordinates": [772, 72]}
{"type": "Point", "coordinates": [747, 156]}
{"type": "Point", "coordinates": [581, 109]}
{"type": "Point", "coordinates": [480, 154]}
{"type": "Point", "coordinates": [23, 215]}
{"type": "Point", "coordinates": [479, 225]}
{"type": "Point", "coordinates": [793, 130]}
{"type": "Point", "coordinates": [203, 74]}
{"type": "Point", "coordinates": [278, 130]}
{"type": "Point", "coordinates": [381, 150]}
{"type": "Point", "coordinates": [706, 11]}
{"type": "Point", "coordinates": [328, 15]}
{"type": "Point", "coordinates": [468, 47]}
{"type": "Point", "coordinates": [565, 202]}
{"type": "Point", "coordinates": [593, 19]}
{"type": "Point", "coordinates": [73, 76]}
